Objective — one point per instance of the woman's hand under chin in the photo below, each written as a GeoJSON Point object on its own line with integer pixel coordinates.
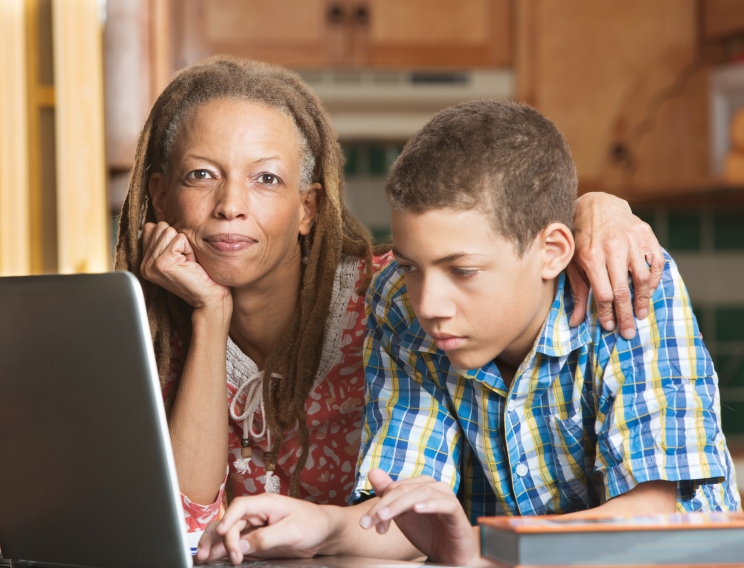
{"type": "Point", "coordinates": [168, 260]}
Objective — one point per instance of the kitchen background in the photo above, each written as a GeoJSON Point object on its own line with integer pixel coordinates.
{"type": "Point", "coordinates": [649, 94]}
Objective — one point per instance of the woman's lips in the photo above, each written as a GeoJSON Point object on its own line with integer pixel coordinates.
{"type": "Point", "coordinates": [229, 242]}
{"type": "Point", "coordinates": [448, 342]}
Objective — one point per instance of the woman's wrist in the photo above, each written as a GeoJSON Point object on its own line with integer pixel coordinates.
{"type": "Point", "coordinates": [336, 520]}
{"type": "Point", "coordinates": [213, 317]}
{"type": "Point", "coordinates": [600, 198]}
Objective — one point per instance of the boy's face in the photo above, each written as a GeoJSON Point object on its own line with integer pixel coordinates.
{"type": "Point", "coordinates": [471, 292]}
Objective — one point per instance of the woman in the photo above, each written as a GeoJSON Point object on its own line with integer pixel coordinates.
{"type": "Point", "coordinates": [254, 275]}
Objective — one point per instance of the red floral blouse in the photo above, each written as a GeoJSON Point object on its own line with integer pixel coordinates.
{"type": "Point", "coordinates": [334, 410]}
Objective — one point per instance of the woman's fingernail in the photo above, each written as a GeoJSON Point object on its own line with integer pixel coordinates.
{"type": "Point", "coordinates": [380, 528]}
{"type": "Point", "coordinates": [234, 556]}
{"type": "Point", "coordinates": [420, 506]}
{"type": "Point", "coordinates": [629, 333]}
{"type": "Point", "coordinates": [384, 513]}
{"type": "Point", "coordinates": [365, 521]}
{"type": "Point", "coordinates": [245, 546]}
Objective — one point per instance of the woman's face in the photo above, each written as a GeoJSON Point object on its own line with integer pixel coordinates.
{"type": "Point", "coordinates": [233, 190]}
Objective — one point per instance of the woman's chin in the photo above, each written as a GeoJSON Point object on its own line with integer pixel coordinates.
{"type": "Point", "coordinates": [231, 278]}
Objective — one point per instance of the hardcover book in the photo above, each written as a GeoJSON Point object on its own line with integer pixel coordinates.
{"type": "Point", "coordinates": [697, 539]}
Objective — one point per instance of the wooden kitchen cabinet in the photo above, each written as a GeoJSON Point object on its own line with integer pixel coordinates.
{"type": "Point", "coordinates": [350, 33]}
{"type": "Point", "coordinates": [625, 84]}
{"type": "Point", "coordinates": [722, 18]}
{"type": "Point", "coordinates": [291, 32]}
{"type": "Point", "coordinates": [434, 33]}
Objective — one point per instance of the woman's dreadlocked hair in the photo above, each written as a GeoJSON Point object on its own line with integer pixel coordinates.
{"type": "Point", "coordinates": [337, 232]}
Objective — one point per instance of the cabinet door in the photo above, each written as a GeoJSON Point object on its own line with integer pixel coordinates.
{"type": "Point", "coordinates": [297, 33]}
{"type": "Point", "coordinates": [619, 80]}
{"type": "Point", "coordinates": [432, 33]}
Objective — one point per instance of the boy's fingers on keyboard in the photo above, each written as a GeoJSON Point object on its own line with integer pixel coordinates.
{"type": "Point", "coordinates": [391, 492]}
{"type": "Point", "coordinates": [403, 498]}
{"type": "Point", "coordinates": [383, 484]}
{"type": "Point", "coordinates": [382, 527]}
{"type": "Point", "coordinates": [402, 485]}
{"type": "Point", "coordinates": [379, 480]}
{"type": "Point", "coordinates": [395, 491]}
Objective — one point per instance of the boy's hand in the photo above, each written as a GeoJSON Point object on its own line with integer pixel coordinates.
{"type": "Point", "coordinates": [428, 513]}
{"type": "Point", "coordinates": [610, 243]}
{"type": "Point", "coordinates": [266, 526]}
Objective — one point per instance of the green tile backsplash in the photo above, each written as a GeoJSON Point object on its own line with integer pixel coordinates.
{"type": "Point", "coordinates": [685, 228]}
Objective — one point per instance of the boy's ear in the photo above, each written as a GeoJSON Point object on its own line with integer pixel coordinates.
{"type": "Point", "coordinates": [310, 200]}
{"type": "Point", "coordinates": [158, 187]}
{"type": "Point", "coordinates": [558, 249]}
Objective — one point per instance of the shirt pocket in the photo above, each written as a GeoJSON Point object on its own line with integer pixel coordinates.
{"type": "Point", "coordinates": [568, 447]}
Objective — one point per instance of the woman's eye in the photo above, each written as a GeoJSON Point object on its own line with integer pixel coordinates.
{"type": "Point", "coordinates": [407, 268]}
{"type": "Point", "coordinates": [464, 272]}
{"type": "Point", "coordinates": [268, 179]}
{"type": "Point", "coordinates": [199, 175]}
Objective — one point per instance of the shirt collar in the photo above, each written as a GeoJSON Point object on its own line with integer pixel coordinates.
{"type": "Point", "coordinates": [558, 338]}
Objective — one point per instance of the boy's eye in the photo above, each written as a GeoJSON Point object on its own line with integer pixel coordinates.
{"type": "Point", "coordinates": [464, 272]}
{"type": "Point", "coordinates": [406, 268]}
{"type": "Point", "coordinates": [268, 179]}
{"type": "Point", "coordinates": [199, 175]}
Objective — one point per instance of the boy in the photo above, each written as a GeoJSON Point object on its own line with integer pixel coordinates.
{"type": "Point", "coordinates": [474, 376]}
{"type": "Point", "coordinates": [481, 399]}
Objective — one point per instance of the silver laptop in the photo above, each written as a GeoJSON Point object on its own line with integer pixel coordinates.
{"type": "Point", "coordinates": [87, 476]}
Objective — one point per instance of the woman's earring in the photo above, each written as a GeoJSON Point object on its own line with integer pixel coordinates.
{"type": "Point", "coordinates": [306, 252]}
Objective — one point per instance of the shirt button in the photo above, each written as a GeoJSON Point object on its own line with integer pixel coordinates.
{"type": "Point", "coordinates": [510, 406]}
{"type": "Point", "coordinates": [521, 470]}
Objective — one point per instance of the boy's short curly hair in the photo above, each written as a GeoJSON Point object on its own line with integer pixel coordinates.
{"type": "Point", "coordinates": [503, 158]}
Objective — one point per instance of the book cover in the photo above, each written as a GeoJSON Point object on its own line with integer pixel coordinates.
{"type": "Point", "coordinates": [697, 539]}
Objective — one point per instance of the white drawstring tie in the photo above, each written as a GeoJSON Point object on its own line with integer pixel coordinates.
{"type": "Point", "coordinates": [252, 388]}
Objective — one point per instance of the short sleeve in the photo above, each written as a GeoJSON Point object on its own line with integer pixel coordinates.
{"type": "Point", "coordinates": [658, 404]}
{"type": "Point", "coordinates": [199, 516]}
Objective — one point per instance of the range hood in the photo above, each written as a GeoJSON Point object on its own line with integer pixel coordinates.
{"type": "Point", "coordinates": [392, 105]}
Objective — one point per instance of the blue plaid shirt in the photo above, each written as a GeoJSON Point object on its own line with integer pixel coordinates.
{"type": "Point", "coordinates": [588, 416]}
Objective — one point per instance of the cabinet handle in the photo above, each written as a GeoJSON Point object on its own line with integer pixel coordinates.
{"type": "Point", "coordinates": [335, 14]}
{"type": "Point", "coordinates": [361, 14]}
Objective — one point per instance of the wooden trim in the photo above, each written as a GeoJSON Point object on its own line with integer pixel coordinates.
{"type": "Point", "coordinates": [14, 180]}
{"type": "Point", "coordinates": [722, 18]}
{"type": "Point", "coordinates": [525, 41]}
{"type": "Point", "coordinates": [34, 139]}
{"type": "Point", "coordinates": [82, 216]}
{"type": "Point", "coordinates": [45, 96]}
{"type": "Point", "coordinates": [161, 23]}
